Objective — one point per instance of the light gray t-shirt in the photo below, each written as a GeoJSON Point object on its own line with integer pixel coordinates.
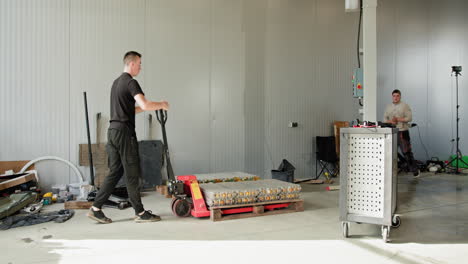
{"type": "Point", "coordinates": [399, 110]}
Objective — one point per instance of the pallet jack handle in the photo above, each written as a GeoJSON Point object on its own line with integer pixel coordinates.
{"type": "Point", "coordinates": [161, 115]}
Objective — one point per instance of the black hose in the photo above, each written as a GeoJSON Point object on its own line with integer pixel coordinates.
{"type": "Point", "coordinates": [359, 33]}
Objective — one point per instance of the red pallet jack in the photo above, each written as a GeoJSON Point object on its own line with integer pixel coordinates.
{"type": "Point", "coordinates": [187, 196]}
{"type": "Point", "coordinates": [186, 193]}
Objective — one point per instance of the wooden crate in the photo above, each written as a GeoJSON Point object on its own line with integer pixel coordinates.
{"type": "Point", "coordinates": [16, 165]}
{"type": "Point", "coordinates": [162, 189]}
{"type": "Point", "coordinates": [258, 209]}
{"type": "Point", "coordinates": [5, 184]}
{"type": "Point", "coordinates": [337, 125]}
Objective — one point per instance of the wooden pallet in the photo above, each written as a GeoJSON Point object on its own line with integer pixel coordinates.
{"type": "Point", "coordinates": [310, 181]}
{"type": "Point", "coordinates": [258, 209]}
{"type": "Point", "coordinates": [78, 205]}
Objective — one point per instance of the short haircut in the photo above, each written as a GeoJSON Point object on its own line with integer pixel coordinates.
{"type": "Point", "coordinates": [396, 91]}
{"type": "Point", "coordinates": [131, 56]}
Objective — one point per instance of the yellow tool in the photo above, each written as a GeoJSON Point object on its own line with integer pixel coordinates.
{"type": "Point", "coordinates": [47, 198]}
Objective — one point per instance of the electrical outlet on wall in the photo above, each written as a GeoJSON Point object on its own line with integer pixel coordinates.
{"type": "Point", "coordinates": [292, 124]}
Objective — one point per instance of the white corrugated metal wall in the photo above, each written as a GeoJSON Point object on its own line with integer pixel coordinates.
{"type": "Point", "coordinates": [235, 72]}
{"type": "Point", "coordinates": [34, 83]}
{"type": "Point", "coordinates": [310, 54]}
{"type": "Point", "coordinates": [418, 43]}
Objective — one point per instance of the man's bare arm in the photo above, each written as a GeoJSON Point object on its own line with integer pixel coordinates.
{"type": "Point", "coordinates": [147, 105]}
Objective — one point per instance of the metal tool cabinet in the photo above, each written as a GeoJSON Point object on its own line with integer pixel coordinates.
{"type": "Point", "coordinates": [368, 184]}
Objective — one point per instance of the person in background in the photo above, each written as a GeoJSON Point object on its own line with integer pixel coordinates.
{"type": "Point", "coordinates": [399, 114]}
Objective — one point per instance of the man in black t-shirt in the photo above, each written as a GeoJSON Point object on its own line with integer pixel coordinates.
{"type": "Point", "coordinates": [122, 146]}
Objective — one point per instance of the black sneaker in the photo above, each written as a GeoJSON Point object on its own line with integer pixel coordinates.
{"type": "Point", "coordinates": [417, 173]}
{"type": "Point", "coordinates": [98, 216]}
{"type": "Point", "coordinates": [147, 216]}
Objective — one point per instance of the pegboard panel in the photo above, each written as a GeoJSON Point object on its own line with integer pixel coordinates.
{"type": "Point", "coordinates": [365, 169]}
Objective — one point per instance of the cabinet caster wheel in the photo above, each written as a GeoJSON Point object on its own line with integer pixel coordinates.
{"type": "Point", "coordinates": [396, 221]}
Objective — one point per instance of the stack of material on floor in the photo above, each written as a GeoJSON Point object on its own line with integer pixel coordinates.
{"type": "Point", "coordinates": [272, 190]}
{"type": "Point", "coordinates": [226, 177]}
{"type": "Point", "coordinates": [247, 192]}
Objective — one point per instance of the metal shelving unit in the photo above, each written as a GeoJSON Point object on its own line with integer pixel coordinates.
{"type": "Point", "coordinates": [368, 184]}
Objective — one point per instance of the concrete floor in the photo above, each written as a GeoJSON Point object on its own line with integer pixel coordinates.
{"type": "Point", "coordinates": [434, 229]}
